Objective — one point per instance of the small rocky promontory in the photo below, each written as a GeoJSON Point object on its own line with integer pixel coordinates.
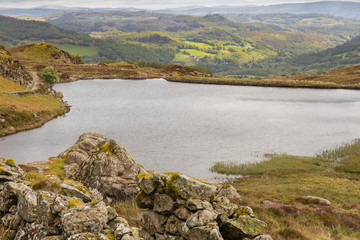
{"type": "Point", "coordinates": [72, 197]}
{"type": "Point", "coordinates": [12, 69]}
{"type": "Point", "coordinates": [44, 52]}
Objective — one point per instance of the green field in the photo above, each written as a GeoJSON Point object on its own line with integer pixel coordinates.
{"type": "Point", "coordinates": [181, 57]}
{"type": "Point", "coordinates": [197, 44]}
{"type": "Point", "coordinates": [197, 52]}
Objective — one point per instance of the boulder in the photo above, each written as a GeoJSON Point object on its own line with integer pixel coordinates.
{"type": "Point", "coordinates": [9, 171]}
{"type": "Point", "coordinates": [103, 164]}
{"type": "Point", "coordinates": [75, 189]}
{"type": "Point", "coordinates": [187, 187]}
{"type": "Point", "coordinates": [182, 213]}
{"type": "Point", "coordinates": [152, 222]}
{"type": "Point", "coordinates": [26, 199]}
{"type": "Point", "coordinates": [314, 200]}
{"type": "Point", "coordinates": [144, 200]}
{"type": "Point", "coordinates": [172, 224]}
{"type": "Point", "coordinates": [146, 182]}
{"type": "Point", "coordinates": [242, 227]}
{"type": "Point", "coordinates": [208, 232]}
{"type": "Point", "coordinates": [230, 193]}
{"type": "Point", "coordinates": [195, 204]}
{"type": "Point", "coordinates": [201, 218]}
{"type": "Point", "coordinates": [163, 203]}
{"type": "Point", "coordinates": [50, 220]}
{"type": "Point", "coordinates": [222, 205]}
{"type": "Point", "coordinates": [90, 217]}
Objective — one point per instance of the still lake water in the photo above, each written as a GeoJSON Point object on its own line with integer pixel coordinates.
{"type": "Point", "coordinates": [188, 127]}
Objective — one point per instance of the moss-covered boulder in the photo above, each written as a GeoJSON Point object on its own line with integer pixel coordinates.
{"type": "Point", "coordinates": [187, 187]}
{"type": "Point", "coordinates": [242, 227]}
{"type": "Point", "coordinates": [90, 217]}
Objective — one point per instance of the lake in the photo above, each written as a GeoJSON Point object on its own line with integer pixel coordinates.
{"type": "Point", "coordinates": [187, 127]}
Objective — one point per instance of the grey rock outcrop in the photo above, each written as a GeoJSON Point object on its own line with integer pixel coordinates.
{"type": "Point", "coordinates": [103, 164]}
{"type": "Point", "coordinates": [34, 215]}
{"type": "Point", "coordinates": [182, 207]}
{"type": "Point", "coordinates": [13, 70]}
{"type": "Point", "coordinates": [177, 207]}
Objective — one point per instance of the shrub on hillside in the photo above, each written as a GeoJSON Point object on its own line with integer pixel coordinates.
{"type": "Point", "coordinates": [49, 75]}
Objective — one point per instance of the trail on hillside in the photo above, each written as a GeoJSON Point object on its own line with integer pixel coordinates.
{"type": "Point", "coordinates": [36, 81]}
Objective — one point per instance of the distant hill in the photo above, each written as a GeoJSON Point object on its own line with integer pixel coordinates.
{"type": "Point", "coordinates": [341, 56]}
{"type": "Point", "coordinates": [15, 32]}
{"type": "Point", "coordinates": [49, 10]}
{"type": "Point", "coordinates": [213, 40]}
{"type": "Point", "coordinates": [338, 29]}
{"type": "Point", "coordinates": [332, 58]}
{"type": "Point", "coordinates": [337, 8]}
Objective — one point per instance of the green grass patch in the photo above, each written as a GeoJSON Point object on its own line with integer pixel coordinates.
{"type": "Point", "coordinates": [197, 52]}
{"type": "Point", "coordinates": [198, 44]}
{"type": "Point", "coordinates": [276, 163]}
{"type": "Point", "coordinates": [342, 151]}
{"type": "Point", "coordinates": [81, 51]}
{"type": "Point", "coordinates": [181, 57]}
{"type": "Point", "coordinates": [350, 164]}
{"type": "Point", "coordinates": [57, 167]}
{"type": "Point", "coordinates": [333, 175]}
{"type": "Point", "coordinates": [34, 177]}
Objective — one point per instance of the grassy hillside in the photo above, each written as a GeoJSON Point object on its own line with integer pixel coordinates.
{"type": "Point", "coordinates": [44, 52]}
{"type": "Point", "coordinates": [337, 29]}
{"type": "Point", "coordinates": [15, 32]}
{"type": "Point", "coordinates": [329, 59]}
{"type": "Point", "coordinates": [7, 85]}
{"type": "Point", "coordinates": [211, 41]}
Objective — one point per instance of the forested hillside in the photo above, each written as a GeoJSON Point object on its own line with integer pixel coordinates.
{"type": "Point", "coordinates": [15, 32]}
{"type": "Point", "coordinates": [337, 29]}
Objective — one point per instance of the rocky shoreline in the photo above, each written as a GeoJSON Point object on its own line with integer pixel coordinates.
{"type": "Point", "coordinates": [72, 196]}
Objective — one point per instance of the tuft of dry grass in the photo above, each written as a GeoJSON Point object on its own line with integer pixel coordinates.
{"type": "Point", "coordinates": [129, 211]}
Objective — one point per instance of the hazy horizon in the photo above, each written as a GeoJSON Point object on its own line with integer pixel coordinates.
{"type": "Point", "coordinates": [155, 4]}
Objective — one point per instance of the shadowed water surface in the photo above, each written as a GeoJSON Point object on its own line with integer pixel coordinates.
{"type": "Point", "coordinates": [187, 127]}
